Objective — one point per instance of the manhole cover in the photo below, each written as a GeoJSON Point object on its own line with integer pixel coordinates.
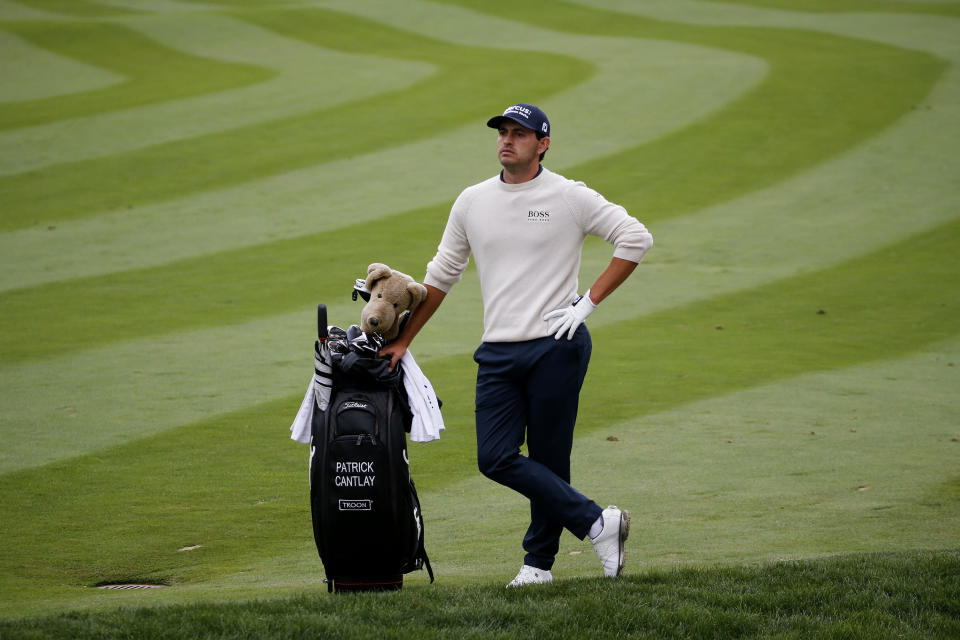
{"type": "Point", "coordinates": [130, 586]}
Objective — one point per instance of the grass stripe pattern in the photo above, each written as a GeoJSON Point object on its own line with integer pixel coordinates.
{"type": "Point", "coordinates": [776, 384]}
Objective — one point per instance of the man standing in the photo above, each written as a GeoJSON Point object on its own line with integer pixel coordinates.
{"type": "Point", "coordinates": [525, 228]}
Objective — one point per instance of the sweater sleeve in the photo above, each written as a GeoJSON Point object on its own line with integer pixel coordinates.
{"type": "Point", "coordinates": [602, 218]}
{"type": "Point", "coordinates": [453, 253]}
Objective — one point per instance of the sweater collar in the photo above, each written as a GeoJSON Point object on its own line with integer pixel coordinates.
{"type": "Point", "coordinates": [539, 171]}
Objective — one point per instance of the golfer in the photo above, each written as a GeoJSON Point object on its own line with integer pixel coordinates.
{"type": "Point", "coordinates": [525, 229]}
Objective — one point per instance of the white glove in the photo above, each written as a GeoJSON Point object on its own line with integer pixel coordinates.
{"type": "Point", "coordinates": [569, 318]}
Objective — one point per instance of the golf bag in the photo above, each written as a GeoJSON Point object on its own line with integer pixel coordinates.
{"type": "Point", "coordinates": [366, 514]}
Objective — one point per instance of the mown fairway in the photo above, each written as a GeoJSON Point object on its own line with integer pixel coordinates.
{"type": "Point", "coordinates": [182, 181]}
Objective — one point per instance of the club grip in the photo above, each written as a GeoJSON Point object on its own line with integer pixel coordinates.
{"type": "Point", "coordinates": [322, 321]}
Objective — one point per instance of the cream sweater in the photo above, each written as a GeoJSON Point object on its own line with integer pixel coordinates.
{"type": "Point", "coordinates": [526, 240]}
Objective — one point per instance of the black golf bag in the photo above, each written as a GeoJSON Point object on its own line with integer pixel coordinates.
{"type": "Point", "coordinates": [366, 515]}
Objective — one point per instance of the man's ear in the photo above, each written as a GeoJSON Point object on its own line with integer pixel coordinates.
{"type": "Point", "coordinates": [375, 272]}
{"type": "Point", "coordinates": [543, 144]}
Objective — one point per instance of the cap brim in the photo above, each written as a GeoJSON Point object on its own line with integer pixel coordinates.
{"type": "Point", "coordinates": [496, 121]}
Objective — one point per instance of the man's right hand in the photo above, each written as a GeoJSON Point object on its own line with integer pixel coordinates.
{"type": "Point", "coordinates": [394, 351]}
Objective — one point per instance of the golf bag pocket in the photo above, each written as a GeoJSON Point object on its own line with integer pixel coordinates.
{"type": "Point", "coordinates": [356, 415]}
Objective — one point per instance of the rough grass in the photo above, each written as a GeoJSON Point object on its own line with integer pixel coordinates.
{"type": "Point", "coordinates": [909, 595]}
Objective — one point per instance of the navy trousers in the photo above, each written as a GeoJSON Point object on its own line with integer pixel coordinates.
{"type": "Point", "coordinates": [532, 389]}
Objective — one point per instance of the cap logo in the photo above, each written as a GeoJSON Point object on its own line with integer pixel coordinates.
{"type": "Point", "coordinates": [518, 109]}
{"type": "Point", "coordinates": [543, 127]}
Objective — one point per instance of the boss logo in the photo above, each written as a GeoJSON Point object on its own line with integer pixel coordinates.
{"type": "Point", "coordinates": [538, 215]}
{"type": "Point", "coordinates": [356, 505]}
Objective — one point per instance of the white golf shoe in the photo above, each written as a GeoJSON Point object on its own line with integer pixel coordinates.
{"type": "Point", "coordinates": [531, 575]}
{"type": "Point", "coordinates": [609, 544]}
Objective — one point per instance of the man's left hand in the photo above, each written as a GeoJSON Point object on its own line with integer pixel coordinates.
{"type": "Point", "coordinates": [569, 318]}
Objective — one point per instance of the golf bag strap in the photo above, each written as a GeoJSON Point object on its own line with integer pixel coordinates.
{"type": "Point", "coordinates": [426, 563]}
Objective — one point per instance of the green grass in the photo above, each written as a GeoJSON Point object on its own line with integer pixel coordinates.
{"type": "Point", "coordinates": [138, 177]}
{"type": "Point", "coordinates": [772, 394]}
{"type": "Point", "coordinates": [911, 595]}
{"type": "Point", "coordinates": [948, 7]}
{"type": "Point", "coordinates": [154, 73]}
{"type": "Point", "coordinates": [78, 8]}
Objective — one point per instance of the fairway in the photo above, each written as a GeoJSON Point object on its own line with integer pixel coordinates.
{"type": "Point", "coordinates": [182, 181]}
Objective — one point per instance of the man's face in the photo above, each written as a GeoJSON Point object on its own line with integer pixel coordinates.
{"type": "Point", "coordinates": [518, 146]}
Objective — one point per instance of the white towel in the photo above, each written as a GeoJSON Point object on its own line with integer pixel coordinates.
{"type": "Point", "coordinates": [317, 395]}
{"type": "Point", "coordinates": [300, 429]}
{"type": "Point", "coordinates": [427, 421]}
